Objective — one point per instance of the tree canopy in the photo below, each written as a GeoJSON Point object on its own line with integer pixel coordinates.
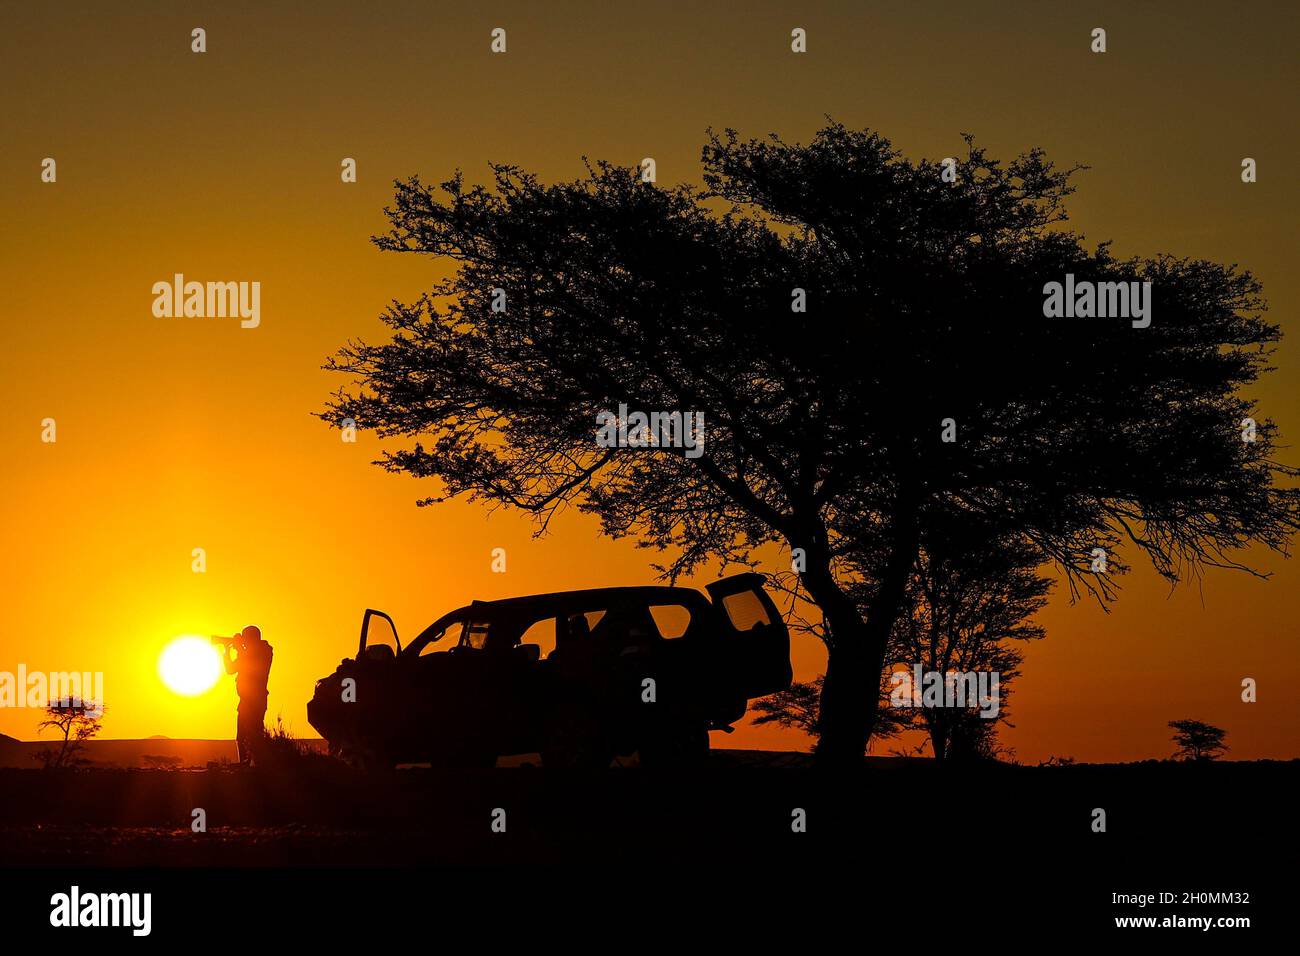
{"type": "Point", "coordinates": [1198, 740]}
{"type": "Point", "coordinates": [824, 428]}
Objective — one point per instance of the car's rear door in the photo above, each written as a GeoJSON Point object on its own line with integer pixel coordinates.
{"type": "Point", "coordinates": [758, 659]}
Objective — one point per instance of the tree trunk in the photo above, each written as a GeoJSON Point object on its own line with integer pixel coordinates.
{"type": "Point", "coordinates": [63, 750]}
{"type": "Point", "coordinates": [851, 694]}
{"type": "Point", "coordinates": [938, 739]}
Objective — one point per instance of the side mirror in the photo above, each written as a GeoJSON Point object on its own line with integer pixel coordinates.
{"type": "Point", "coordinates": [533, 652]}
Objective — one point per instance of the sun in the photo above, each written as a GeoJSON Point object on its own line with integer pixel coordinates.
{"type": "Point", "coordinates": [189, 666]}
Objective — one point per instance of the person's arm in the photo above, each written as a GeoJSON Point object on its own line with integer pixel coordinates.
{"type": "Point", "coordinates": [231, 666]}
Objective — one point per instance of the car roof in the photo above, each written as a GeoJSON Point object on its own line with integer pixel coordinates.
{"type": "Point", "coordinates": [570, 602]}
{"type": "Point", "coordinates": [593, 596]}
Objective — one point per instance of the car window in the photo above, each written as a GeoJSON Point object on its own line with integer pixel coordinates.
{"type": "Point", "coordinates": [745, 610]}
{"type": "Point", "coordinates": [577, 627]}
{"type": "Point", "coordinates": [475, 634]}
{"type": "Point", "coordinates": [380, 633]}
{"type": "Point", "coordinates": [541, 633]}
{"type": "Point", "coordinates": [671, 619]}
{"type": "Point", "coordinates": [442, 641]}
{"type": "Point", "coordinates": [625, 623]}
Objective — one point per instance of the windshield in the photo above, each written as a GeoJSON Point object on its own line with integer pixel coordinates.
{"type": "Point", "coordinates": [438, 636]}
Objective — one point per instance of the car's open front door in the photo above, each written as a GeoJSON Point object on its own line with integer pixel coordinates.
{"type": "Point", "coordinates": [761, 658]}
{"type": "Point", "coordinates": [378, 630]}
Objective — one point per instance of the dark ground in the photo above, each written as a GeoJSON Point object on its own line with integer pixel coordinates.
{"type": "Point", "coordinates": [1019, 835]}
{"type": "Point", "coordinates": [321, 812]}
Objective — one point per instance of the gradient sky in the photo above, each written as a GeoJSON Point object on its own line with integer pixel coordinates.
{"type": "Point", "coordinates": [182, 433]}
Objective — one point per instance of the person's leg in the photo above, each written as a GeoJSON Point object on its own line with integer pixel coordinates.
{"type": "Point", "coordinates": [258, 729]}
{"type": "Point", "coordinates": [243, 735]}
{"type": "Point", "coordinates": [252, 720]}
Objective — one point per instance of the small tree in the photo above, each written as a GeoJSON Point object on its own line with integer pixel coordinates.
{"type": "Point", "coordinates": [970, 601]}
{"type": "Point", "coordinates": [77, 721]}
{"type": "Point", "coordinates": [971, 598]}
{"type": "Point", "coordinates": [1197, 740]}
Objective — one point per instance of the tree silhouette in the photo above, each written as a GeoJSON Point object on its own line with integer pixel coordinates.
{"type": "Point", "coordinates": [1197, 740]}
{"type": "Point", "coordinates": [77, 721]}
{"type": "Point", "coordinates": [794, 708]}
{"type": "Point", "coordinates": [970, 599]}
{"type": "Point", "coordinates": [824, 428]}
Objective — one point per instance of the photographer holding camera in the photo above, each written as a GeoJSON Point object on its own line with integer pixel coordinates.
{"type": "Point", "coordinates": [252, 668]}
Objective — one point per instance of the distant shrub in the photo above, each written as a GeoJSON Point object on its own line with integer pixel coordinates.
{"type": "Point", "coordinates": [160, 761]}
{"type": "Point", "coordinates": [1055, 761]}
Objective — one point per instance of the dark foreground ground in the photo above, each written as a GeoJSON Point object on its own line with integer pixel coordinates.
{"type": "Point", "coordinates": [1020, 837]}
{"type": "Point", "coordinates": [741, 805]}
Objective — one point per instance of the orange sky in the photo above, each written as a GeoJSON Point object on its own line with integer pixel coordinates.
{"type": "Point", "coordinates": [182, 433]}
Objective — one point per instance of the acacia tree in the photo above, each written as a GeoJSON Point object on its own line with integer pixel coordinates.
{"type": "Point", "coordinates": [826, 307]}
{"type": "Point", "coordinates": [971, 599]}
{"type": "Point", "coordinates": [76, 720]}
{"type": "Point", "coordinates": [1198, 740]}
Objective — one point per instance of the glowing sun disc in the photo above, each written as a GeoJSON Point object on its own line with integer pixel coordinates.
{"type": "Point", "coordinates": [189, 666]}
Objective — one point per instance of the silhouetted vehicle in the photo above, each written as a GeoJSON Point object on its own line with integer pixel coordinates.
{"type": "Point", "coordinates": [577, 676]}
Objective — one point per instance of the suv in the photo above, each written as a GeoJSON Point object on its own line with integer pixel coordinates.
{"type": "Point", "coordinates": [577, 676]}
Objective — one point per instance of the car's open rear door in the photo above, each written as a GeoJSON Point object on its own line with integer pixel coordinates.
{"type": "Point", "coordinates": [760, 655]}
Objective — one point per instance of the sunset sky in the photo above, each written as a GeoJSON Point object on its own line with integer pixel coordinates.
{"type": "Point", "coordinates": [175, 434]}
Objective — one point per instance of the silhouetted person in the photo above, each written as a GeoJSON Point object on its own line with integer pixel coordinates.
{"type": "Point", "coordinates": [251, 669]}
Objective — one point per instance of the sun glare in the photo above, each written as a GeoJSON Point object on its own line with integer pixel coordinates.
{"type": "Point", "coordinates": [189, 666]}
